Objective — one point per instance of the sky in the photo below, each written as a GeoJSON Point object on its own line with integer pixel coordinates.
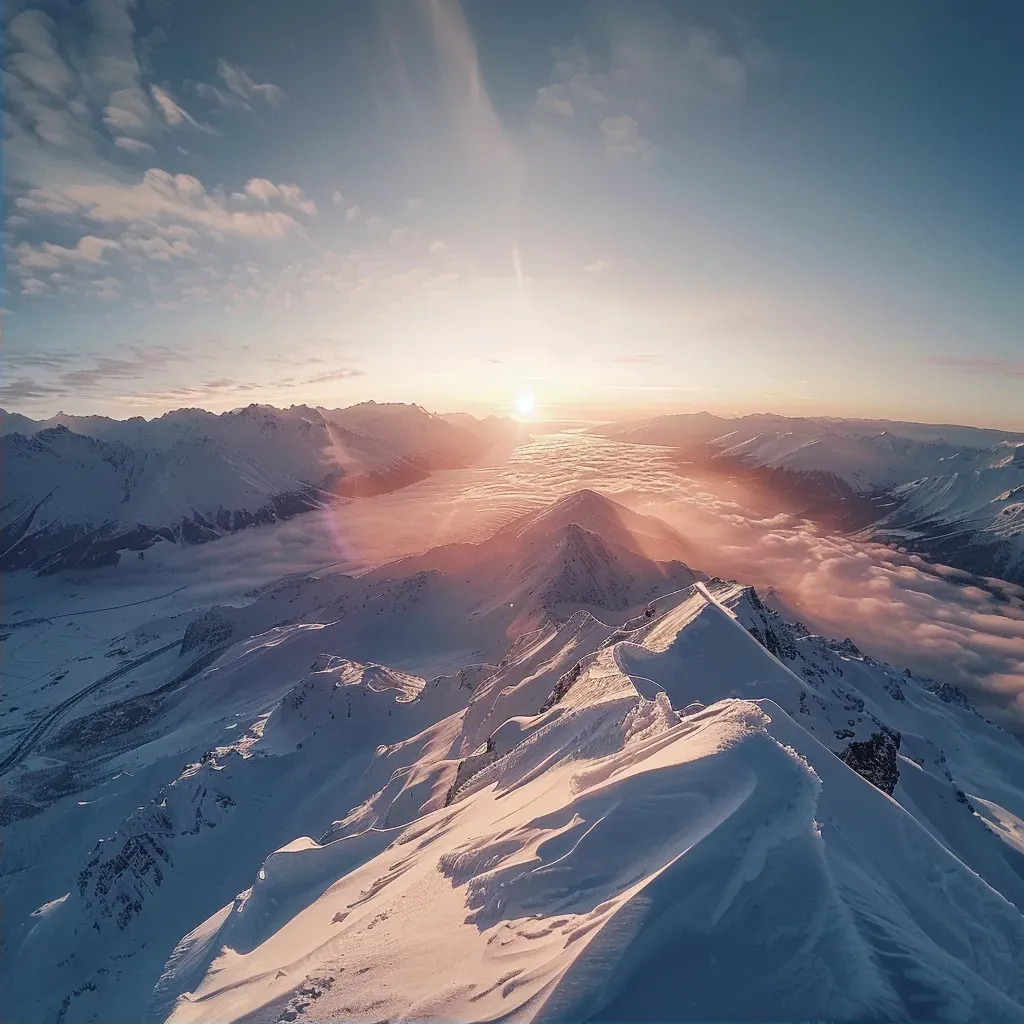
{"type": "Point", "coordinates": [796, 207]}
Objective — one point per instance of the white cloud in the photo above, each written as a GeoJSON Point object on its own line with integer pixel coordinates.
{"type": "Point", "coordinates": [226, 100]}
{"type": "Point", "coordinates": [173, 113]}
{"type": "Point", "coordinates": [47, 256]}
{"type": "Point", "coordinates": [262, 189]}
{"type": "Point", "coordinates": [401, 235]}
{"type": "Point", "coordinates": [129, 111]}
{"type": "Point", "coordinates": [623, 140]}
{"type": "Point", "coordinates": [597, 267]}
{"type": "Point", "coordinates": [241, 85]}
{"type": "Point", "coordinates": [552, 99]}
{"type": "Point", "coordinates": [291, 195]}
{"type": "Point", "coordinates": [35, 57]}
{"type": "Point", "coordinates": [353, 213]}
{"type": "Point", "coordinates": [47, 114]}
{"type": "Point", "coordinates": [438, 248]}
{"type": "Point", "coordinates": [414, 205]}
{"type": "Point", "coordinates": [337, 198]}
{"type": "Point", "coordinates": [159, 197]}
{"type": "Point", "coordinates": [134, 145]}
{"type": "Point", "coordinates": [376, 222]}
{"type": "Point", "coordinates": [158, 247]}
{"type": "Point", "coordinates": [33, 286]}
{"type": "Point", "coordinates": [651, 71]}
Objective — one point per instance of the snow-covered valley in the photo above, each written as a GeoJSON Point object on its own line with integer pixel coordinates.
{"type": "Point", "coordinates": [507, 743]}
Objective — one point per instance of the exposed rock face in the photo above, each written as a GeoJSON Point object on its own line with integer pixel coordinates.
{"type": "Point", "coordinates": [116, 887]}
{"type": "Point", "coordinates": [876, 759]}
{"type": "Point", "coordinates": [127, 869]}
{"type": "Point", "coordinates": [846, 647]}
{"type": "Point", "coordinates": [211, 629]}
{"type": "Point", "coordinates": [951, 694]}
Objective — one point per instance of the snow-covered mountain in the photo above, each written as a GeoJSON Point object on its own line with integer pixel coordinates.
{"type": "Point", "coordinates": [79, 490]}
{"type": "Point", "coordinates": [631, 792]}
{"type": "Point", "coordinates": [954, 494]}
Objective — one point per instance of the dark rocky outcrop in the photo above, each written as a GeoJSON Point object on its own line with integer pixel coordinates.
{"type": "Point", "coordinates": [876, 759]}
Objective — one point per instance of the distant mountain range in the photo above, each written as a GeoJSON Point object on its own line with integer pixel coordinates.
{"type": "Point", "coordinates": [77, 491]}
{"type": "Point", "coordinates": [954, 494]}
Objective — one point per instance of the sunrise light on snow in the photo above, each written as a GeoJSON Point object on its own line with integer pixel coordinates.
{"type": "Point", "coordinates": [512, 512]}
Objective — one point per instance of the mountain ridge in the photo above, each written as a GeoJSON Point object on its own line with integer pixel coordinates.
{"type": "Point", "coordinates": [694, 765]}
{"type": "Point", "coordinates": [75, 500]}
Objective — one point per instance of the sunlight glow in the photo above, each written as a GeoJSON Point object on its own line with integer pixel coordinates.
{"type": "Point", "coordinates": [524, 403]}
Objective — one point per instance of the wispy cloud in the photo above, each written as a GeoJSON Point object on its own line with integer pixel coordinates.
{"type": "Point", "coordinates": [136, 146]}
{"type": "Point", "coordinates": [219, 97]}
{"type": "Point", "coordinates": [290, 195]}
{"type": "Point", "coordinates": [241, 84]}
{"type": "Point", "coordinates": [50, 360]}
{"type": "Point", "coordinates": [980, 365]}
{"type": "Point", "coordinates": [636, 358]}
{"type": "Point", "coordinates": [554, 99]}
{"type": "Point", "coordinates": [26, 390]}
{"type": "Point", "coordinates": [623, 140]}
{"type": "Point", "coordinates": [344, 373]}
{"type": "Point", "coordinates": [136, 363]}
{"type": "Point", "coordinates": [173, 113]}
{"type": "Point", "coordinates": [650, 70]}
{"type": "Point", "coordinates": [517, 265]}
{"type": "Point", "coordinates": [161, 197]}
{"type": "Point", "coordinates": [478, 125]}
{"type": "Point", "coordinates": [48, 256]}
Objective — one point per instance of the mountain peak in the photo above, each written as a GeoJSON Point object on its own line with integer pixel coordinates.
{"type": "Point", "coordinates": [598, 514]}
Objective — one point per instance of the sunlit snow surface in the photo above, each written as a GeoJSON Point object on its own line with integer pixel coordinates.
{"type": "Point", "coordinates": [897, 606]}
{"type": "Point", "coordinates": [506, 843]}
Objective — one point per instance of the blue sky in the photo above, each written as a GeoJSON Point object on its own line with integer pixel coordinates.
{"type": "Point", "coordinates": [800, 207]}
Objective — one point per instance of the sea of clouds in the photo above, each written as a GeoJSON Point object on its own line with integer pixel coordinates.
{"type": "Point", "coordinates": [894, 605]}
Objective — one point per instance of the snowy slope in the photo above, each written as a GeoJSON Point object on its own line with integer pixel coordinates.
{"type": "Point", "coordinates": [955, 494]}
{"type": "Point", "coordinates": [77, 495]}
{"type": "Point", "coordinates": [674, 806]}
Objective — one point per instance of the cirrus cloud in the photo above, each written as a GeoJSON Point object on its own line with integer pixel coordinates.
{"type": "Point", "coordinates": [241, 84]}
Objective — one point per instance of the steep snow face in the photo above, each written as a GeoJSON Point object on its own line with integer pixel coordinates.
{"type": "Point", "coordinates": [956, 494]}
{"type": "Point", "coordinates": [688, 809]}
{"type": "Point", "coordinates": [614, 523]}
{"type": "Point", "coordinates": [725, 865]}
{"type": "Point", "coordinates": [72, 499]}
{"type": "Point", "coordinates": [583, 551]}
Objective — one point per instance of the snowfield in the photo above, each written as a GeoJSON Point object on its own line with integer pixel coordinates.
{"type": "Point", "coordinates": [555, 774]}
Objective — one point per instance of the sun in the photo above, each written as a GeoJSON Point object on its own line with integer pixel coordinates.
{"type": "Point", "coordinates": [525, 403]}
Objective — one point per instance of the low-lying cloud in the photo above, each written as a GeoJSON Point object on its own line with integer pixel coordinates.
{"type": "Point", "coordinates": [895, 606]}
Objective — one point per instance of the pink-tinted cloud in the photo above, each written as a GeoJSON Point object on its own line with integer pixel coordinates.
{"type": "Point", "coordinates": [160, 197]}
